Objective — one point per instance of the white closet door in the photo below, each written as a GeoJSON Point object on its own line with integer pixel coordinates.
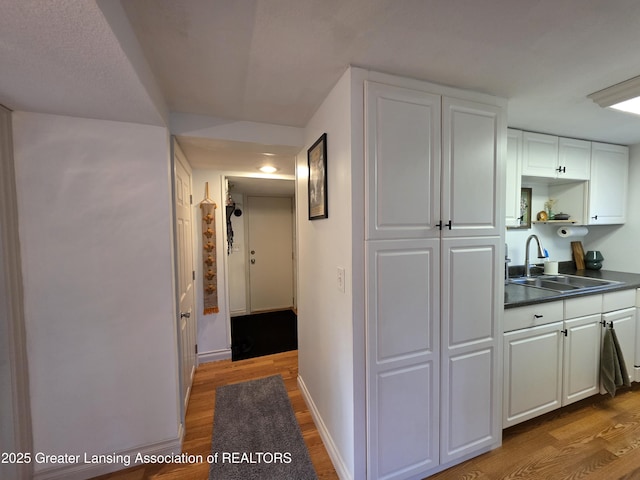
{"type": "Point", "coordinates": [403, 162]}
{"type": "Point", "coordinates": [403, 357]}
{"type": "Point", "coordinates": [474, 153]}
{"type": "Point", "coordinates": [471, 306]}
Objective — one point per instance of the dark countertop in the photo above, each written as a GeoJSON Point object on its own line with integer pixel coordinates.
{"type": "Point", "coordinates": [520, 295]}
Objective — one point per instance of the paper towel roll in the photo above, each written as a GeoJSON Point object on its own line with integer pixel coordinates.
{"type": "Point", "coordinates": [566, 232]}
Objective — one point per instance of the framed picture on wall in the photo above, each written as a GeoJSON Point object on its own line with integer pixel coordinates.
{"type": "Point", "coordinates": [525, 208]}
{"type": "Point", "coordinates": [317, 191]}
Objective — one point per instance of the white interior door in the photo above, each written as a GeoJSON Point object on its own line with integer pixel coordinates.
{"type": "Point", "coordinates": [185, 283]}
{"type": "Point", "coordinates": [270, 239]}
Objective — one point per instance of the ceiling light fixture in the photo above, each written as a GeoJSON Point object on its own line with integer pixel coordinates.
{"type": "Point", "coordinates": [268, 169]}
{"type": "Point", "coordinates": [623, 96]}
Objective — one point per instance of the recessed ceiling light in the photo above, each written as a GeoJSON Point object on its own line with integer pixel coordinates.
{"type": "Point", "coordinates": [268, 169]}
{"type": "Point", "coordinates": [623, 96]}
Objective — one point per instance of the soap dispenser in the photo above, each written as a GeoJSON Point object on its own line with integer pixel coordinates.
{"type": "Point", "coordinates": [550, 267]}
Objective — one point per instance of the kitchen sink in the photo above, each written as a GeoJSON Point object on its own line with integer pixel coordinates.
{"type": "Point", "coordinates": [564, 283]}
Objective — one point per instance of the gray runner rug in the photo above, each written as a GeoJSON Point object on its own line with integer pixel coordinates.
{"type": "Point", "coordinates": [256, 434]}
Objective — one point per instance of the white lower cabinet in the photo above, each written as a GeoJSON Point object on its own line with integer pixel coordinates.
{"type": "Point", "coordinates": [581, 359]}
{"type": "Point", "coordinates": [532, 372]}
{"type": "Point", "coordinates": [555, 360]}
{"type": "Point", "coordinates": [550, 366]}
{"type": "Point", "coordinates": [619, 312]}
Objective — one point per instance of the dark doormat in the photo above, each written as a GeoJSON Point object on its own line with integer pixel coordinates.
{"type": "Point", "coordinates": [263, 334]}
{"type": "Point", "coordinates": [256, 435]}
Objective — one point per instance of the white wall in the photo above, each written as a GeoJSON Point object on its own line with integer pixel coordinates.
{"type": "Point", "coordinates": [213, 329]}
{"type": "Point", "coordinates": [325, 315]}
{"type": "Point", "coordinates": [15, 414]}
{"type": "Point", "coordinates": [94, 208]}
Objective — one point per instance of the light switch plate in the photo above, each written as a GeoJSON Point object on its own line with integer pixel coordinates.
{"type": "Point", "coordinates": [341, 279]}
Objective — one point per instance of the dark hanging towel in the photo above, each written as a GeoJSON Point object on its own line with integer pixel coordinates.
{"type": "Point", "coordinates": [613, 370]}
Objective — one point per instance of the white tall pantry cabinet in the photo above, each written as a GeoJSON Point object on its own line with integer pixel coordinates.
{"type": "Point", "coordinates": [434, 168]}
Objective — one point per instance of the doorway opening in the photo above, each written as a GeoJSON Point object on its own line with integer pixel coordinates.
{"type": "Point", "coordinates": [261, 264]}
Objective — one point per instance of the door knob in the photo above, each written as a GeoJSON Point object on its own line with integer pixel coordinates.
{"type": "Point", "coordinates": [185, 315]}
{"type": "Point", "coordinates": [253, 252]}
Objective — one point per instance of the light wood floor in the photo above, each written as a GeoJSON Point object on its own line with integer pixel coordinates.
{"type": "Point", "coordinates": [595, 439]}
{"type": "Point", "coordinates": [199, 421]}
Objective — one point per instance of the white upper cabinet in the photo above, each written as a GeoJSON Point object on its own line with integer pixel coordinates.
{"type": "Point", "coordinates": [514, 177]}
{"type": "Point", "coordinates": [472, 169]}
{"type": "Point", "coordinates": [608, 185]}
{"type": "Point", "coordinates": [415, 189]}
{"type": "Point", "coordinates": [549, 156]}
{"type": "Point", "coordinates": [574, 159]}
{"type": "Point", "coordinates": [403, 152]}
{"type": "Point", "coordinates": [539, 155]}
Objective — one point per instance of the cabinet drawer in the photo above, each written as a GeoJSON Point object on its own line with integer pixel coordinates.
{"type": "Point", "coordinates": [533, 315]}
{"type": "Point", "coordinates": [582, 306]}
{"type": "Point", "coordinates": [618, 300]}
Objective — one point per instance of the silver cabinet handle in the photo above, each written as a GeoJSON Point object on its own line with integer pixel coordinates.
{"type": "Point", "coordinates": [185, 315]}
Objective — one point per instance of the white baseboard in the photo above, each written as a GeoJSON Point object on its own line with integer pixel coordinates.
{"type": "Point", "coordinates": [332, 450]}
{"type": "Point", "coordinates": [214, 356]}
{"type": "Point", "coordinates": [83, 471]}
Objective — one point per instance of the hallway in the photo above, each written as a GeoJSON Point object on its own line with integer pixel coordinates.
{"type": "Point", "coordinates": [199, 421]}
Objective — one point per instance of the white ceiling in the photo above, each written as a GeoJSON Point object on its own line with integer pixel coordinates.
{"type": "Point", "coordinates": [260, 187]}
{"type": "Point", "coordinates": [274, 61]}
{"type": "Point", "coordinates": [233, 156]}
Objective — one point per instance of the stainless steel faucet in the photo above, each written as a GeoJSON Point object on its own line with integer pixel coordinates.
{"type": "Point", "coordinates": [527, 273]}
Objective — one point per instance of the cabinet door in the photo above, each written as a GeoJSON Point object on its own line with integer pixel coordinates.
{"type": "Point", "coordinates": [403, 357]}
{"type": "Point", "coordinates": [402, 151]}
{"type": "Point", "coordinates": [574, 159]}
{"type": "Point", "coordinates": [513, 177]}
{"type": "Point", "coordinates": [539, 155]}
{"type": "Point", "coordinates": [609, 184]}
{"type": "Point", "coordinates": [472, 305]}
{"type": "Point", "coordinates": [532, 372]}
{"type": "Point", "coordinates": [624, 323]}
{"type": "Point", "coordinates": [473, 160]}
{"type": "Point", "coordinates": [581, 374]}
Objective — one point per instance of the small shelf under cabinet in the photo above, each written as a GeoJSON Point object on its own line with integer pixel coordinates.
{"type": "Point", "coordinates": [556, 222]}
